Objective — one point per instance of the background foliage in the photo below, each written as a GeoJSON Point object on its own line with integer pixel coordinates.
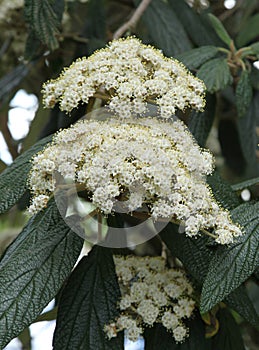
{"type": "Point", "coordinates": [219, 46]}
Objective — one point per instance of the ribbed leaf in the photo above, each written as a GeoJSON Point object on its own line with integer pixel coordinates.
{"type": "Point", "coordinates": [239, 301]}
{"type": "Point", "coordinates": [231, 266]}
{"type": "Point", "coordinates": [196, 57]}
{"type": "Point", "coordinates": [58, 7]}
{"type": "Point", "coordinates": [256, 273]}
{"type": "Point", "coordinates": [248, 137]}
{"type": "Point", "coordinates": [158, 338]}
{"type": "Point", "coordinates": [249, 31]}
{"type": "Point", "coordinates": [228, 336]}
{"type": "Point", "coordinates": [222, 191]}
{"type": "Point", "coordinates": [200, 123]}
{"type": "Point", "coordinates": [196, 25]}
{"type": "Point", "coordinates": [13, 179]}
{"type": "Point", "coordinates": [219, 29]}
{"type": "Point", "coordinates": [193, 253]}
{"type": "Point", "coordinates": [33, 269]}
{"type": "Point", "coordinates": [244, 93]}
{"type": "Point", "coordinates": [87, 303]}
{"type": "Point", "coordinates": [165, 29]}
{"type": "Point", "coordinates": [32, 46]}
{"type": "Point", "coordinates": [255, 49]}
{"type": "Point", "coordinates": [196, 257]}
{"type": "Point", "coordinates": [43, 21]}
{"type": "Point", "coordinates": [215, 74]}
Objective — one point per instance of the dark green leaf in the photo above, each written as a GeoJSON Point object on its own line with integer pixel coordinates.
{"type": "Point", "coordinates": [255, 49]}
{"type": "Point", "coordinates": [196, 256]}
{"type": "Point", "coordinates": [96, 25]}
{"type": "Point", "coordinates": [255, 78]}
{"type": "Point", "coordinates": [196, 25]}
{"type": "Point", "coordinates": [165, 29]}
{"type": "Point", "coordinates": [244, 93]}
{"type": "Point", "coordinates": [193, 253]}
{"type": "Point", "coordinates": [228, 336]}
{"type": "Point", "coordinates": [13, 180]}
{"type": "Point", "coordinates": [32, 46]}
{"type": "Point", "coordinates": [215, 74]}
{"type": "Point", "coordinates": [256, 273]}
{"type": "Point", "coordinates": [239, 301]}
{"type": "Point", "coordinates": [12, 79]}
{"type": "Point", "coordinates": [248, 137]}
{"type": "Point", "coordinates": [158, 338]}
{"type": "Point", "coordinates": [219, 29]}
{"type": "Point", "coordinates": [58, 7]}
{"type": "Point", "coordinates": [196, 57]}
{"type": "Point", "coordinates": [232, 265]}
{"type": "Point", "coordinates": [249, 31]}
{"type": "Point", "coordinates": [43, 21]}
{"type": "Point", "coordinates": [222, 191]}
{"type": "Point", "coordinates": [245, 184]}
{"type": "Point", "coordinates": [87, 303]}
{"type": "Point", "coordinates": [200, 123]}
{"type": "Point", "coordinates": [33, 269]}
{"type": "Point", "coordinates": [250, 50]}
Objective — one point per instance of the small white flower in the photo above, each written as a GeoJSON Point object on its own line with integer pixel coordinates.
{"type": "Point", "coordinates": [138, 291]}
{"type": "Point", "coordinates": [179, 334]}
{"type": "Point", "coordinates": [38, 203]}
{"type": "Point", "coordinates": [169, 320]}
{"type": "Point", "coordinates": [125, 302]}
{"type": "Point", "coordinates": [133, 333]}
{"type": "Point", "coordinates": [148, 311]}
{"type": "Point", "coordinates": [110, 330]}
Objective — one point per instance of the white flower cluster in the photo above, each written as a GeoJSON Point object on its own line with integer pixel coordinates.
{"type": "Point", "coordinates": [129, 74]}
{"type": "Point", "coordinates": [145, 161]}
{"type": "Point", "coordinates": [151, 293]}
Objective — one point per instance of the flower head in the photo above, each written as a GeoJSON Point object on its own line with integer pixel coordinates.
{"type": "Point", "coordinates": [146, 310]}
{"type": "Point", "coordinates": [151, 162]}
{"type": "Point", "coordinates": [128, 74]}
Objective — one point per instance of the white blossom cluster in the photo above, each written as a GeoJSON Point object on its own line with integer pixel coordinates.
{"type": "Point", "coordinates": [146, 161]}
{"type": "Point", "coordinates": [151, 293]}
{"type": "Point", "coordinates": [129, 74]}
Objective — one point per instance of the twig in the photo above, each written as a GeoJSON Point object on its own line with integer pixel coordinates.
{"type": "Point", "coordinates": [133, 20]}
